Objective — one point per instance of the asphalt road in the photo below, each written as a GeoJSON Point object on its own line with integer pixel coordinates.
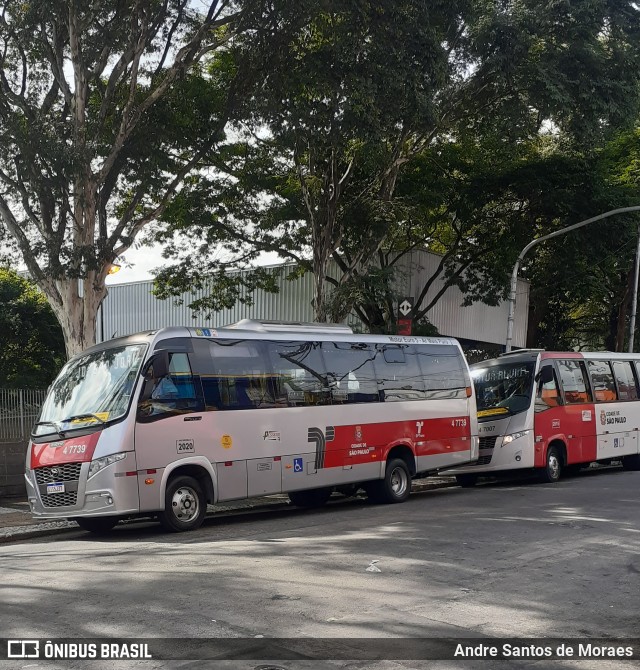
{"type": "Point", "coordinates": [515, 559]}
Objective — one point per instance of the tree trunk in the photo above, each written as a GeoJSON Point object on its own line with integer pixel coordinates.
{"type": "Point", "coordinates": [623, 309]}
{"type": "Point", "coordinates": [537, 310]}
{"type": "Point", "coordinates": [75, 302]}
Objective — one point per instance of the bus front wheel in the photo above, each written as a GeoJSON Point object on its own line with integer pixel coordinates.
{"type": "Point", "coordinates": [553, 468]}
{"type": "Point", "coordinates": [396, 485]}
{"type": "Point", "coordinates": [309, 499]}
{"type": "Point", "coordinates": [185, 505]}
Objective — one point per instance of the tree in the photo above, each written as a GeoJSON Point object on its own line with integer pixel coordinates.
{"type": "Point", "coordinates": [582, 282]}
{"type": "Point", "coordinates": [31, 342]}
{"type": "Point", "coordinates": [379, 95]}
{"type": "Point", "coordinates": [104, 113]}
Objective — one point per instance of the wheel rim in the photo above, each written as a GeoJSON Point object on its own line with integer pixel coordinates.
{"type": "Point", "coordinates": [553, 465]}
{"type": "Point", "coordinates": [399, 481]}
{"type": "Point", "coordinates": [184, 504]}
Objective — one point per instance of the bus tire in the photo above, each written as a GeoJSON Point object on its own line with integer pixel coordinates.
{"type": "Point", "coordinates": [100, 525]}
{"type": "Point", "coordinates": [395, 487]}
{"type": "Point", "coordinates": [184, 505]}
{"type": "Point", "coordinates": [467, 481]}
{"type": "Point", "coordinates": [631, 462]}
{"type": "Point", "coordinates": [310, 499]}
{"type": "Point", "coordinates": [552, 471]}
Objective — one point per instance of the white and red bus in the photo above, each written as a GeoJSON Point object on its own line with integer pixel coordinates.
{"type": "Point", "coordinates": [167, 422]}
{"type": "Point", "coordinates": [555, 411]}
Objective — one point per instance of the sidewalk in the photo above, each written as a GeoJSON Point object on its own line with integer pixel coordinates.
{"type": "Point", "coordinates": [16, 522]}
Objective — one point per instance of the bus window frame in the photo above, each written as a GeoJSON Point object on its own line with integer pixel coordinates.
{"type": "Point", "coordinates": [634, 374]}
{"type": "Point", "coordinates": [538, 403]}
{"type": "Point", "coordinates": [585, 375]}
{"type": "Point", "coordinates": [615, 385]}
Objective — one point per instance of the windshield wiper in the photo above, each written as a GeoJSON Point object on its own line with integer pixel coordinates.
{"type": "Point", "coordinates": [57, 424]}
{"type": "Point", "coordinates": [50, 423]}
{"type": "Point", "coordinates": [77, 417]}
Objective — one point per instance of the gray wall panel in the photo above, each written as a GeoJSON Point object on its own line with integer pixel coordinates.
{"type": "Point", "coordinates": [130, 308]}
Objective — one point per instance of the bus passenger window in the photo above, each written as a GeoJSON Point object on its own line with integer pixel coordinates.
{"type": "Point", "coordinates": [627, 389]}
{"type": "Point", "coordinates": [398, 372]}
{"type": "Point", "coordinates": [350, 372]}
{"type": "Point", "coordinates": [604, 386]}
{"type": "Point", "coordinates": [236, 375]}
{"type": "Point", "coordinates": [443, 371]}
{"type": "Point", "coordinates": [573, 379]}
{"type": "Point", "coordinates": [299, 373]}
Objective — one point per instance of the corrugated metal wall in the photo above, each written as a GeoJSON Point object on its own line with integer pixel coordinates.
{"type": "Point", "coordinates": [476, 322]}
{"type": "Point", "coordinates": [130, 308]}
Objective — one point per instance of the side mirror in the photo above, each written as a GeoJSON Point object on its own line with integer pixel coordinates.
{"type": "Point", "coordinates": [157, 367]}
{"type": "Point", "coordinates": [546, 374]}
{"type": "Point", "coordinates": [159, 363]}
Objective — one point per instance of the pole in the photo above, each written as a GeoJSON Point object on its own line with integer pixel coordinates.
{"type": "Point", "coordinates": [634, 297]}
{"type": "Point", "coordinates": [533, 243]}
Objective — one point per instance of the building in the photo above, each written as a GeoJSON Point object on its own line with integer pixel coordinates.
{"type": "Point", "coordinates": [130, 308]}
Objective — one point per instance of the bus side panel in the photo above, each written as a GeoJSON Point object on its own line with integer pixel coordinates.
{"type": "Point", "coordinates": [617, 426]}
{"type": "Point", "coordinates": [573, 425]}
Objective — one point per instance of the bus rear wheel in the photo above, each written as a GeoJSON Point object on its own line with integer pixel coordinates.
{"type": "Point", "coordinates": [551, 472]}
{"type": "Point", "coordinates": [467, 481]}
{"type": "Point", "coordinates": [185, 505]}
{"type": "Point", "coordinates": [98, 525]}
{"type": "Point", "coordinates": [395, 487]}
{"type": "Point", "coordinates": [311, 498]}
{"type": "Point", "coordinates": [631, 462]}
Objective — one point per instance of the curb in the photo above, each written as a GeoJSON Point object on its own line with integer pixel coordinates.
{"type": "Point", "coordinates": [31, 532]}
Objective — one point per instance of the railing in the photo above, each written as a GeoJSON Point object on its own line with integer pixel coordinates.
{"type": "Point", "coordinates": [19, 410]}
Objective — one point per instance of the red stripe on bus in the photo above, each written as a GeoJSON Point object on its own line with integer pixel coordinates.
{"type": "Point", "coordinates": [361, 443]}
{"type": "Point", "coordinates": [75, 450]}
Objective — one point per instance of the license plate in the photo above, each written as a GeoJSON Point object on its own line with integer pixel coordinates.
{"type": "Point", "coordinates": [58, 487]}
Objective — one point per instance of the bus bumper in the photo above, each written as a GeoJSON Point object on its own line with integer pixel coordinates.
{"type": "Point", "coordinates": [517, 455]}
{"type": "Point", "coordinates": [102, 495]}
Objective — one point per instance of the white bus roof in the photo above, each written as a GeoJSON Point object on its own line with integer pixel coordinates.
{"type": "Point", "coordinates": [270, 330]}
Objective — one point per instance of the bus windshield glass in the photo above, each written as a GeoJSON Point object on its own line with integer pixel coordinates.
{"type": "Point", "coordinates": [91, 390]}
{"type": "Point", "coordinates": [506, 388]}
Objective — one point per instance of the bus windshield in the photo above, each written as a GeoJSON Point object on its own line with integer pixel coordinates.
{"type": "Point", "coordinates": [91, 389]}
{"type": "Point", "coordinates": [505, 388]}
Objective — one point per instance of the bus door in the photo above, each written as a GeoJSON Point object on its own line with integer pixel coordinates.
{"type": "Point", "coordinates": [577, 421]}
{"type": "Point", "coordinates": [166, 427]}
{"type": "Point", "coordinates": [615, 421]}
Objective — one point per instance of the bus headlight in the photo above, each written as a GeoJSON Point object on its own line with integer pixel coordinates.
{"type": "Point", "coordinates": [101, 463]}
{"type": "Point", "coordinates": [508, 439]}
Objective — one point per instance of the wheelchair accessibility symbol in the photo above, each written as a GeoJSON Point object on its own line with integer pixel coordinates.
{"type": "Point", "coordinates": [297, 465]}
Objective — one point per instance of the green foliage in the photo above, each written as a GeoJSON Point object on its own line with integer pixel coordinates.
{"type": "Point", "coordinates": [382, 127]}
{"type": "Point", "coordinates": [31, 343]}
{"type": "Point", "coordinates": [582, 282]}
{"type": "Point", "coordinates": [106, 109]}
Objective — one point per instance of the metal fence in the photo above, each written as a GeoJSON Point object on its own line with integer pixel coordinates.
{"type": "Point", "coordinates": [19, 410]}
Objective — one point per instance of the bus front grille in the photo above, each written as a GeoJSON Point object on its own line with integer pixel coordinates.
{"type": "Point", "coordinates": [67, 472]}
{"type": "Point", "coordinates": [60, 499]}
{"type": "Point", "coordinates": [485, 451]}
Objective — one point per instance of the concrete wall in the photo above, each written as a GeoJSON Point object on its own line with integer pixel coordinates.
{"type": "Point", "coordinates": [12, 455]}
